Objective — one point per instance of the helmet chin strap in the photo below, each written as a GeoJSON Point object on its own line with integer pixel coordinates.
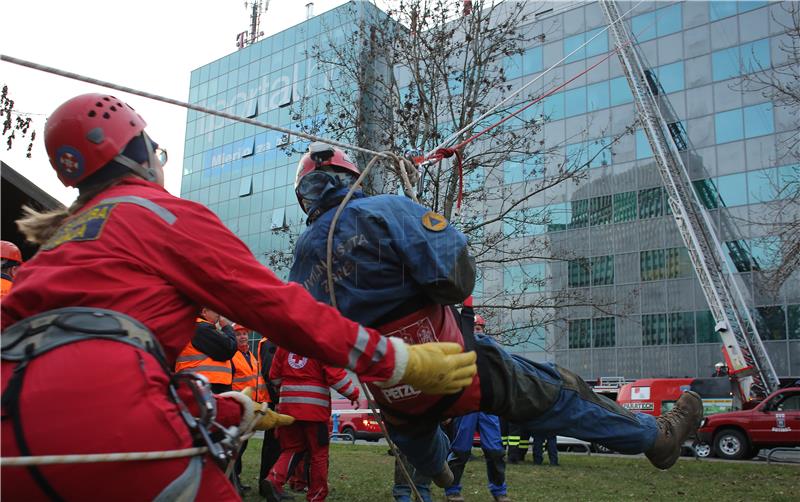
{"type": "Point", "coordinates": [144, 170]}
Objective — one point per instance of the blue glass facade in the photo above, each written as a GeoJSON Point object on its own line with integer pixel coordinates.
{"type": "Point", "coordinates": [615, 226]}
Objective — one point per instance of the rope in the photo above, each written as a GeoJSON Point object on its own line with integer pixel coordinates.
{"type": "Point", "coordinates": [100, 457]}
{"type": "Point", "coordinates": [183, 104]}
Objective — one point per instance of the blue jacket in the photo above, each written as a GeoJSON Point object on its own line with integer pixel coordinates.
{"type": "Point", "coordinates": [387, 263]}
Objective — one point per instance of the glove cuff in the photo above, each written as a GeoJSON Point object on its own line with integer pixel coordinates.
{"type": "Point", "coordinates": [249, 416]}
{"type": "Point", "coordinates": [400, 362]}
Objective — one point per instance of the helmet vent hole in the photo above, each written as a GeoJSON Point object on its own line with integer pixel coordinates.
{"type": "Point", "coordinates": [132, 123]}
{"type": "Point", "coordinates": [106, 98]}
{"type": "Point", "coordinates": [98, 104]}
{"type": "Point", "coordinates": [92, 113]}
{"type": "Point", "coordinates": [113, 108]}
{"type": "Point", "coordinates": [119, 104]}
{"type": "Point", "coordinates": [106, 115]}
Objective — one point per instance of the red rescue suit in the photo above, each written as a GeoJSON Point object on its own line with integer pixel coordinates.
{"type": "Point", "coordinates": [434, 323]}
{"type": "Point", "coordinates": [305, 394]}
{"type": "Point", "coordinates": [140, 251]}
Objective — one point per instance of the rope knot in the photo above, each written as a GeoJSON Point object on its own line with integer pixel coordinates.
{"type": "Point", "coordinates": [444, 153]}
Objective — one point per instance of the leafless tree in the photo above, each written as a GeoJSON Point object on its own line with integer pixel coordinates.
{"type": "Point", "coordinates": [780, 83]}
{"type": "Point", "coordinates": [409, 80]}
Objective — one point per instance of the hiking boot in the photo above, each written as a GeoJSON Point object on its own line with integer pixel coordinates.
{"type": "Point", "coordinates": [444, 478]}
{"type": "Point", "coordinates": [454, 497]}
{"type": "Point", "coordinates": [674, 427]}
{"type": "Point", "coordinates": [271, 492]}
{"type": "Point", "coordinates": [501, 498]}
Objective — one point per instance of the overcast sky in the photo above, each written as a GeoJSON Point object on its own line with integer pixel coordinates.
{"type": "Point", "coordinates": [144, 44]}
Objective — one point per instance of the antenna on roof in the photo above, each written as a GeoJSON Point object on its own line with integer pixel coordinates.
{"type": "Point", "coordinates": [245, 38]}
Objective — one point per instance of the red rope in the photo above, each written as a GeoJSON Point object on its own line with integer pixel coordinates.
{"type": "Point", "coordinates": [445, 153]}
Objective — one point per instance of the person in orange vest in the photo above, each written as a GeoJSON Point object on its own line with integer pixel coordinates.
{"type": "Point", "coordinates": [305, 392]}
{"type": "Point", "coordinates": [11, 259]}
{"type": "Point", "coordinates": [210, 351]}
{"type": "Point", "coordinates": [245, 369]}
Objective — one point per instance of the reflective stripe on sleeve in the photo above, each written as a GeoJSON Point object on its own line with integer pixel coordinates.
{"type": "Point", "coordinates": [342, 384]}
{"type": "Point", "coordinates": [186, 359]}
{"type": "Point", "coordinates": [358, 348]}
{"type": "Point", "coordinates": [210, 369]}
{"type": "Point", "coordinates": [380, 350]}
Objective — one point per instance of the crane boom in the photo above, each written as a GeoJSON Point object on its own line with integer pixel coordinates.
{"type": "Point", "coordinates": [745, 351]}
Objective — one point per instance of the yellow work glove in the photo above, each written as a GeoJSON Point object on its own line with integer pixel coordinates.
{"type": "Point", "coordinates": [439, 367]}
{"type": "Point", "coordinates": [266, 418]}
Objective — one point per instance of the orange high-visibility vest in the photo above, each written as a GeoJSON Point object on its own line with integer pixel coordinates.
{"type": "Point", "coordinates": [192, 360]}
{"type": "Point", "coordinates": [262, 394]}
{"type": "Point", "coordinates": [244, 371]}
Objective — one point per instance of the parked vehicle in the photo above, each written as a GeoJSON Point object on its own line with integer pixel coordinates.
{"type": "Point", "coordinates": [357, 423]}
{"type": "Point", "coordinates": [774, 422]}
{"type": "Point", "coordinates": [656, 396]}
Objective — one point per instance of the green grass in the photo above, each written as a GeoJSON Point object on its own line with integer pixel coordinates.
{"type": "Point", "coordinates": [365, 474]}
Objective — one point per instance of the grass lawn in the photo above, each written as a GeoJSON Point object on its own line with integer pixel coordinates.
{"type": "Point", "coordinates": [365, 474]}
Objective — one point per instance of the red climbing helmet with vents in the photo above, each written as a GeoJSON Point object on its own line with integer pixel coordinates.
{"type": "Point", "coordinates": [86, 133]}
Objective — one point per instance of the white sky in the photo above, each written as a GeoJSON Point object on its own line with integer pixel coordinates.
{"type": "Point", "coordinates": [144, 44]}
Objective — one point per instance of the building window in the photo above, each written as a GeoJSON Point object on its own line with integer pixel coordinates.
{"type": "Point", "coordinates": [580, 214]}
{"type": "Point", "coordinates": [524, 278]}
{"type": "Point", "coordinates": [553, 107]}
{"type": "Point", "coordinates": [525, 222]}
{"type": "Point", "coordinates": [732, 190]}
{"type": "Point", "coordinates": [575, 101]}
{"type": "Point", "coordinates": [602, 270]}
{"type": "Point", "coordinates": [620, 91]}
{"type": "Point", "coordinates": [658, 23]}
{"type": "Point", "coordinates": [600, 210]}
{"type": "Point", "coordinates": [681, 328]}
{"type": "Point", "coordinates": [579, 273]}
{"type": "Point", "coordinates": [625, 208]}
{"type": "Point", "coordinates": [771, 322]}
{"type": "Point", "coordinates": [719, 9]}
{"type": "Point", "coordinates": [652, 265]}
{"type": "Point", "coordinates": [704, 325]}
{"type": "Point", "coordinates": [532, 61]}
{"type": "Point", "coordinates": [671, 77]}
{"type": "Point", "coordinates": [278, 218]}
{"type": "Point", "coordinates": [559, 217]}
{"type": "Point", "coordinates": [603, 332]}
{"type": "Point", "coordinates": [651, 203]}
{"type": "Point", "coordinates": [740, 60]}
{"type": "Point", "coordinates": [728, 126]}
{"type": "Point", "coordinates": [678, 264]}
{"type": "Point", "coordinates": [580, 333]}
{"type": "Point", "coordinates": [643, 149]}
{"type": "Point", "coordinates": [246, 186]}
{"type": "Point", "coordinates": [748, 122]}
{"type": "Point", "coordinates": [654, 329]}
{"type": "Point", "coordinates": [794, 321]}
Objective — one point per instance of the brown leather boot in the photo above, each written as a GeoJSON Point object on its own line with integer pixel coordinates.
{"type": "Point", "coordinates": [674, 427]}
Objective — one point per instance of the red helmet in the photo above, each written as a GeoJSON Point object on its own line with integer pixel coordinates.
{"type": "Point", "coordinates": [321, 155]}
{"type": "Point", "coordinates": [10, 251]}
{"type": "Point", "coordinates": [86, 133]}
{"type": "Point", "coordinates": [239, 327]}
{"type": "Point", "coordinates": [479, 320]}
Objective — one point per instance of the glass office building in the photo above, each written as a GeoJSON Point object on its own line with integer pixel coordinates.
{"type": "Point", "coordinates": [617, 223]}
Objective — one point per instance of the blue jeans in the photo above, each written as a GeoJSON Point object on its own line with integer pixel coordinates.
{"type": "Point", "coordinates": [401, 491]}
{"type": "Point", "coordinates": [571, 409]}
{"type": "Point", "coordinates": [491, 444]}
{"type": "Point", "coordinates": [552, 449]}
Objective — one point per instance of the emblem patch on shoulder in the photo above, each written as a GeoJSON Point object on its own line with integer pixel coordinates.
{"type": "Point", "coordinates": [297, 362]}
{"type": "Point", "coordinates": [87, 226]}
{"type": "Point", "coordinates": [434, 222]}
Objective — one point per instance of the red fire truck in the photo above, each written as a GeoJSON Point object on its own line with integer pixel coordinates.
{"type": "Point", "coordinates": [357, 423]}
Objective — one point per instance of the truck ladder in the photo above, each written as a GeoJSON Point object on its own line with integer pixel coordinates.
{"type": "Point", "coordinates": [744, 348]}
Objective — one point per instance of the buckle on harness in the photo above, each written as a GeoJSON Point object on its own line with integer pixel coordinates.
{"type": "Point", "coordinates": [222, 451]}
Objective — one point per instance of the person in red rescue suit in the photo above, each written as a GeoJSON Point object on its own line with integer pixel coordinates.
{"type": "Point", "coordinates": [210, 352]}
{"type": "Point", "coordinates": [128, 252]}
{"type": "Point", "coordinates": [398, 267]}
{"type": "Point", "coordinates": [10, 260]}
{"type": "Point", "coordinates": [305, 394]}
{"type": "Point", "coordinates": [245, 369]}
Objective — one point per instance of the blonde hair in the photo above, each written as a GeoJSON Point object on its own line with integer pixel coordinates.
{"type": "Point", "coordinates": [39, 227]}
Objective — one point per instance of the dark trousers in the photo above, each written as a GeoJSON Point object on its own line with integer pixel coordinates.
{"type": "Point", "coordinates": [552, 448]}
{"type": "Point", "coordinates": [519, 442]}
{"type": "Point", "coordinates": [270, 451]}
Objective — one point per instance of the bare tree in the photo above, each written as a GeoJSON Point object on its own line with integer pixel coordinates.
{"type": "Point", "coordinates": [780, 83]}
{"type": "Point", "coordinates": [15, 122]}
{"type": "Point", "coordinates": [407, 81]}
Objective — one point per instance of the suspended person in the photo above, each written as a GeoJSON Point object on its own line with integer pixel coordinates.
{"type": "Point", "coordinates": [396, 266]}
{"type": "Point", "coordinates": [210, 352]}
{"type": "Point", "coordinates": [461, 448]}
{"type": "Point", "coordinates": [305, 393]}
{"type": "Point", "coordinates": [10, 261]}
{"type": "Point", "coordinates": [245, 369]}
{"type": "Point", "coordinates": [128, 246]}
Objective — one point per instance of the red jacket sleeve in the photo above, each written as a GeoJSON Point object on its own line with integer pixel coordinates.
{"type": "Point", "coordinates": [210, 265]}
{"type": "Point", "coordinates": [278, 361]}
{"type": "Point", "coordinates": [340, 381]}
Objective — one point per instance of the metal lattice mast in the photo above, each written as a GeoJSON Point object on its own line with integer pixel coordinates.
{"type": "Point", "coordinates": [748, 357]}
